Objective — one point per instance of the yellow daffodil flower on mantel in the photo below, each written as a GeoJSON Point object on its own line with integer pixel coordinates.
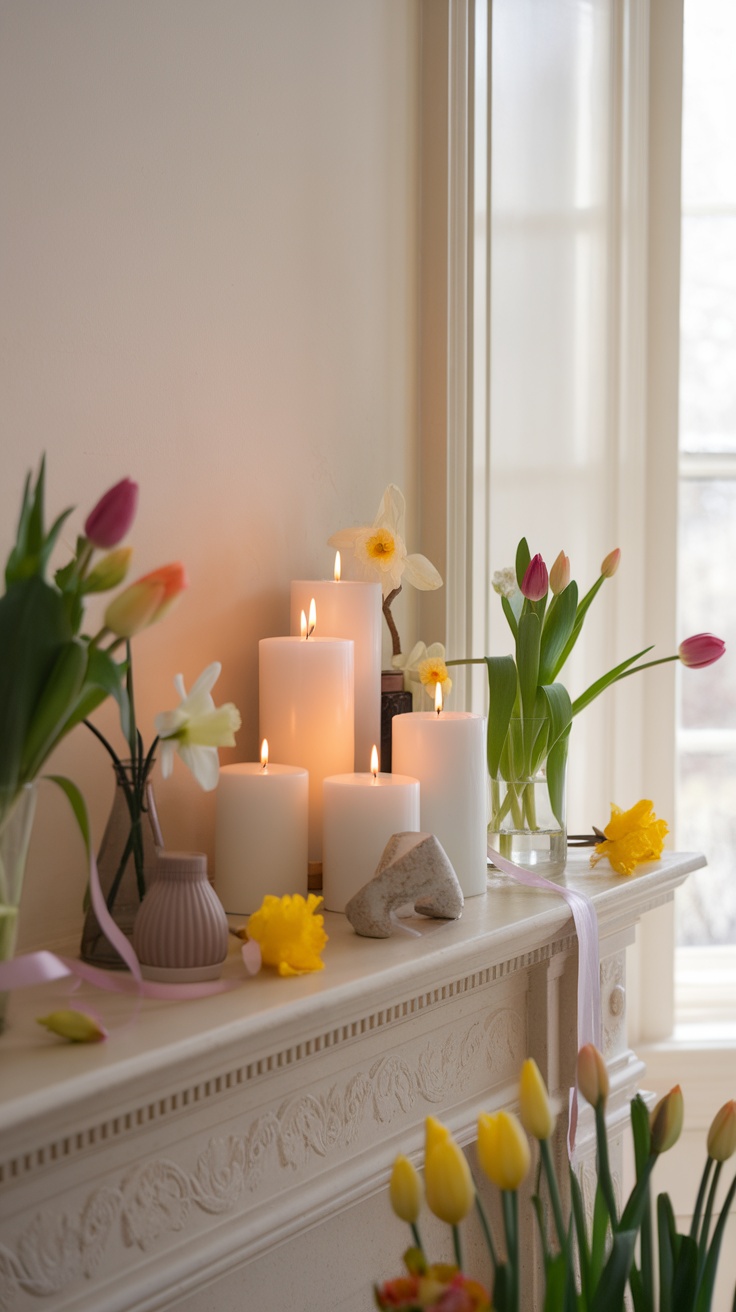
{"type": "Point", "coordinates": [290, 934]}
{"type": "Point", "coordinates": [631, 837]}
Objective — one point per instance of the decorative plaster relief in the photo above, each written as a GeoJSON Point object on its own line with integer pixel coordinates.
{"type": "Point", "coordinates": [160, 1197]}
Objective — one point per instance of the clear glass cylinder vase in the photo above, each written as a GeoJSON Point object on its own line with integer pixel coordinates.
{"type": "Point", "coordinates": [126, 863]}
{"type": "Point", "coordinates": [528, 822]}
{"type": "Point", "coordinates": [16, 823]}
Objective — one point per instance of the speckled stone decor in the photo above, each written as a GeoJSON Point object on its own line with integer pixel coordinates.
{"type": "Point", "coordinates": [414, 868]}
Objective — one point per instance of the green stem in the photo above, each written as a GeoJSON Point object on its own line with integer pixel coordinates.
{"type": "Point", "coordinates": [510, 1204]}
{"type": "Point", "coordinates": [554, 1192]}
{"type": "Point", "coordinates": [456, 1246]}
{"type": "Point", "coordinates": [709, 1162]}
{"type": "Point", "coordinates": [604, 1168]}
{"type": "Point", "coordinates": [703, 1245]}
{"type": "Point", "coordinates": [416, 1237]}
{"type": "Point", "coordinates": [487, 1233]}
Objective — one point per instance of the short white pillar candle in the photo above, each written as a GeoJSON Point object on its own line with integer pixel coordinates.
{"type": "Point", "coordinates": [361, 812]}
{"type": "Point", "coordinates": [260, 834]}
{"type": "Point", "coordinates": [446, 753]}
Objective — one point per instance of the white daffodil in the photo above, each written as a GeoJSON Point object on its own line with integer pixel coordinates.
{"type": "Point", "coordinates": [380, 552]}
{"type": "Point", "coordinates": [196, 728]}
{"type": "Point", "coordinates": [423, 669]}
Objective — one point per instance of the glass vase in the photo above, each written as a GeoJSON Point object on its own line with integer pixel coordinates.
{"type": "Point", "coordinates": [16, 823]}
{"type": "Point", "coordinates": [126, 863]}
{"type": "Point", "coordinates": [528, 801]}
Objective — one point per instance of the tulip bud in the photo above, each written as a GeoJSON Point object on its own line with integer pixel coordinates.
{"type": "Point", "coordinates": [536, 1112]}
{"type": "Point", "coordinates": [146, 601]}
{"type": "Point", "coordinates": [535, 582]}
{"type": "Point", "coordinates": [449, 1184]}
{"type": "Point", "coordinates": [113, 515]}
{"type": "Point", "coordinates": [435, 1132]}
{"type": "Point", "coordinates": [503, 1149]}
{"type": "Point", "coordinates": [610, 563]}
{"type": "Point", "coordinates": [109, 571]}
{"type": "Point", "coordinates": [405, 1191]}
{"type": "Point", "coordinates": [666, 1120]}
{"type": "Point", "coordinates": [559, 575]}
{"type": "Point", "coordinates": [722, 1133]}
{"type": "Point", "coordinates": [592, 1075]}
{"type": "Point", "coordinates": [75, 1026]}
{"type": "Point", "coordinates": [702, 649]}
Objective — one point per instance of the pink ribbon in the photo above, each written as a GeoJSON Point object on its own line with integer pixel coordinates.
{"type": "Point", "coordinates": [43, 967]}
{"type": "Point", "coordinates": [589, 978]}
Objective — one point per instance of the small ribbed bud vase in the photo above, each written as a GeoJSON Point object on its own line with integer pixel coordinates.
{"type": "Point", "coordinates": [181, 931]}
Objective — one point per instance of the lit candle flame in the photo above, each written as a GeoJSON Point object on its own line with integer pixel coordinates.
{"type": "Point", "coordinates": [438, 697]}
{"type": "Point", "coordinates": [338, 567]}
{"type": "Point", "coordinates": [374, 761]}
{"type": "Point", "coordinates": [312, 618]}
{"type": "Point", "coordinates": [264, 754]}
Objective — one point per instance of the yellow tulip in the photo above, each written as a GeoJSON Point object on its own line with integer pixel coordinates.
{"type": "Point", "coordinates": [449, 1184]}
{"type": "Point", "coordinates": [536, 1113]}
{"type": "Point", "coordinates": [435, 1133]}
{"type": "Point", "coordinates": [503, 1149]}
{"type": "Point", "coordinates": [592, 1075]}
{"type": "Point", "coordinates": [666, 1120]}
{"type": "Point", "coordinates": [405, 1190]}
{"type": "Point", "coordinates": [722, 1133]}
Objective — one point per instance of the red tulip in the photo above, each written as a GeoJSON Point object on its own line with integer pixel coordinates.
{"type": "Point", "coordinates": [702, 649]}
{"type": "Point", "coordinates": [535, 582]}
{"type": "Point", "coordinates": [113, 515]}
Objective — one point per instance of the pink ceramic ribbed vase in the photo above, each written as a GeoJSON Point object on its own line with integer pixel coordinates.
{"type": "Point", "coordinates": [181, 931]}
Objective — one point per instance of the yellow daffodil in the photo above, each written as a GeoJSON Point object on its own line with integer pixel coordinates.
{"type": "Point", "coordinates": [379, 551]}
{"type": "Point", "coordinates": [537, 1116]}
{"type": "Point", "coordinates": [666, 1120]}
{"type": "Point", "coordinates": [449, 1184]}
{"type": "Point", "coordinates": [631, 837]}
{"type": "Point", "coordinates": [722, 1133]}
{"type": "Point", "coordinates": [503, 1149]}
{"type": "Point", "coordinates": [289, 933]}
{"type": "Point", "coordinates": [592, 1073]}
{"type": "Point", "coordinates": [196, 728]}
{"type": "Point", "coordinates": [405, 1190]}
{"type": "Point", "coordinates": [76, 1026]}
{"type": "Point", "coordinates": [423, 668]}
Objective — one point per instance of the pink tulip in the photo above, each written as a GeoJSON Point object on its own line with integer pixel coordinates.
{"type": "Point", "coordinates": [113, 515]}
{"type": "Point", "coordinates": [535, 582]}
{"type": "Point", "coordinates": [559, 575]}
{"type": "Point", "coordinates": [610, 563]}
{"type": "Point", "coordinates": [702, 649]}
{"type": "Point", "coordinates": [145, 601]}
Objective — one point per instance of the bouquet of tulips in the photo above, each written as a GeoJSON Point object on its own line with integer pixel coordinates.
{"type": "Point", "coordinates": [530, 710]}
{"type": "Point", "coordinates": [587, 1268]}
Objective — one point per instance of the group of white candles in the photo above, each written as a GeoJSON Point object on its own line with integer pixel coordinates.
{"type": "Point", "coordinates": [312, 800]}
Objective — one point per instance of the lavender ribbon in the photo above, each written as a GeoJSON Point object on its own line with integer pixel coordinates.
{"type": "Point", "coordinates": [589, 979]}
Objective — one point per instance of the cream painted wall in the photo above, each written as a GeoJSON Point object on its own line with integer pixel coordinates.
{"type": "Point", "coordinates": [207, 282]}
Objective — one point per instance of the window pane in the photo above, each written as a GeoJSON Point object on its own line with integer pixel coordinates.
{"type": "Point", "coordinates": [706, 904]}
{"type": "Point", "coordinates": [707, 550]}
{"type": "Point", "coordinates": [708, 334]}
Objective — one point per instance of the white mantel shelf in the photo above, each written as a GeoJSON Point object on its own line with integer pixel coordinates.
{"type": "Point", "coordinates": [186, 1162]}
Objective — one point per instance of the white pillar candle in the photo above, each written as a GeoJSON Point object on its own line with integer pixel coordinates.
{"type": "Point", "coordinates": [306, 712]}
{"type": "Point", "coordinates": [361, 812]}
{"type": "Point", "coordinates": [351, 610]}
{"type": "Point", "coordinates": [260, 834]}
{"type": "Point", "coordinates": [446, 753]}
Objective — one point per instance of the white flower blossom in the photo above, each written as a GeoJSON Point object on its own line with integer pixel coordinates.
{"type": "Point", "coordinates": [196, 728]}
{"type": "Point", "coordinates": [380, 552]}
{"type": "Point", "coordinates": [421, 668]}
{"type": "Point", "coordinates": [504, 582]}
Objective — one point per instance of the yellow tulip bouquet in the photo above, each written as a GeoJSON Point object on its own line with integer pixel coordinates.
{"type": "Point", "coordinates": [586, 1268]}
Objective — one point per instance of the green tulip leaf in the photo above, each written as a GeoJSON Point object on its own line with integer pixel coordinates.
{"type": "Point", "coordinates": [558, 626]}
{"type": "Point", "coordinates": [527, 660]}
{"type": "Point", "coordinates": [502, 687]}
{"type": "Point", "coordinates": [33, 630]}
{"type": "Point", "coordinates": [606, 680]}
{"type": "Point", "coordinates": [609, 1296]}
{"type": "Point", "coordinates": [523, 559]}
{"type": "Point", "coordinates": [556, 771]}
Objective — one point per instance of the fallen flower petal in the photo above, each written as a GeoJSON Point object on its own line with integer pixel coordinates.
{"type": "Point", "coordinates": [75, 1026]}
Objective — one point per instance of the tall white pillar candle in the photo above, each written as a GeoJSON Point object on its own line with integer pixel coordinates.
{"type": "Point", "coordinates": [260, 834]}
{"type": "Point", "coordinates": [306, 711]}
{"type": "Point", "coordinates": [361, 812]}
{"type": "Point", "coordinates": [446, 753]}
{"type": "Point", "coordinates": [351, 610]}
